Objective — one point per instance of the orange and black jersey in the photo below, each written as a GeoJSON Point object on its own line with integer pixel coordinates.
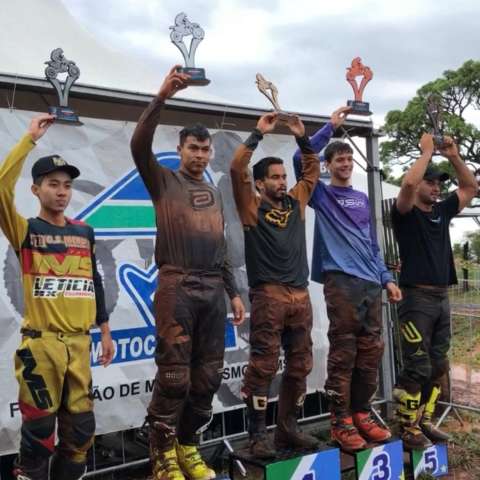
{"type": "Point", "coordinates": [63, 290]}
{"type": "Point", "coordinates": [275, 244]}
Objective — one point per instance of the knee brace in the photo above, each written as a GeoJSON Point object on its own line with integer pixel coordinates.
{"type": "Point", "coordinates": [173, 381]}
{"type": "Point", "coordinates": [76, 432]}
{"type": "Point", "coordinates": [369, 353]}
{"type": "Point", "coordinates": [297, 370]}
{"type": "Point", "coordinates": [206, 379]}
{"type": "Point", "coordinates": [38, 437]}
{"type": "Point", "coordinates": [342, 352]}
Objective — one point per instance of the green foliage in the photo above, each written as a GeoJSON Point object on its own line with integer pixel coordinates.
{"type": "Point", "coordinates": [458, 90]}
{"type": "Point", "coordinates": [474, 241]}
{"type": "Point", "coordinates": [457, 250]}
{"type": "Point", "coordinates": [466, 452]}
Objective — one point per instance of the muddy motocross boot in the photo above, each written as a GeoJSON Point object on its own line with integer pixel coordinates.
{"type": "Point", "coordinates": [36, 469]}
{"type": "Point", "coordinates": [371, 429]}
{"type": "Point", "coordinates": [428, 427]}
{"type": "Point", "coordinates": [344, 433]}
{"type": "Point", "coordinates": [192, 463]}
{"type": "Point", "coordinates": [408, 405]}
{"type": "Point", "coordinates": [259, 444]}
{"type": "Point", "coordinates": [287, 434]}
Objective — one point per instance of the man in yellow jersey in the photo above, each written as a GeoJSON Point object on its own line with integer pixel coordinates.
{"type": "Point", "coordinates": [63, 295]}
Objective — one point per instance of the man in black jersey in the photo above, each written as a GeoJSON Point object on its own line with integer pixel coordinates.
{"type": "Point", "coordinates": [421, 225]}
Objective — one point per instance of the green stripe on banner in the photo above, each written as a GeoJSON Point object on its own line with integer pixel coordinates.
{"type": "Point", "coordinates": [113, 216]}
{"type": "Point", "coordinates": [282, 470]}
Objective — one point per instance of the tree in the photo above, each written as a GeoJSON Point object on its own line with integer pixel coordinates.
{"type": "Point", "coordinates": [474, 240]}
{"type": "Point", "coordinates": [459, 90]}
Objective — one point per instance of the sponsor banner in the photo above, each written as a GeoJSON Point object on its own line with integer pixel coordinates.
{"type": "Point", "coordinates": [111, 197]}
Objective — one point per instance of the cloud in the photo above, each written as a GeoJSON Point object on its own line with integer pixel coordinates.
{"type": "Point", "coordinates": [304, 46]}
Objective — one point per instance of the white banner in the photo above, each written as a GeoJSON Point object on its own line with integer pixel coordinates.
{"type": "Point", "coordinates": [110, 196]}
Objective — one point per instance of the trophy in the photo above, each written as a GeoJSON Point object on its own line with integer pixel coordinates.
{"type": "Point", "coordinates": [59, 64]}
{"type": "Point", "coordinates": [183, 28]}
{"type": "Point", "coordinates": [357, 69]}
{"type": "Point", "coordinates": [271, 92]}
{"type": "Point", "coordinates": [434, 112]}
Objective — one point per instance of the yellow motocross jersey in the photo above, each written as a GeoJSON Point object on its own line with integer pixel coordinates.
{"type": "Point", "coordinates": [63, 290]}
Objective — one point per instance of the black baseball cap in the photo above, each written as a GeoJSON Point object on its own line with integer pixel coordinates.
{"type": "Point", "coordinates": [53, 163]}
{"type": "Point", "coordinates": [434, 173]}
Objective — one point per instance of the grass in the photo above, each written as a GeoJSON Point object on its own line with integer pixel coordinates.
{"type": "Point", "coordinates": [465, 348]}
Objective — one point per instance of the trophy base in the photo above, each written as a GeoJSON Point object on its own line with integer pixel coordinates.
{"type": "Point", "coordinates": [65, 115]}
{"type": "Point", "coordinates": [359, 108]}
{"type": "Point", "coordinates": [197, 75]}
{"type": "Point", "coordinates": [438, 141]}
{"type": "Point", "coordinates": [283, 117]}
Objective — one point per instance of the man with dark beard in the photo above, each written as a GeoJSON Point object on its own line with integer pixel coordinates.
{"type": "Point", "coordinates": [276, 259]}
{"type": "Point", "coordinates": [190, 311]}
{"type": "Point", "coordinates": [421, 225]}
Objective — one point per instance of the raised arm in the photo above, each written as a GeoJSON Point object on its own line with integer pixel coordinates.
{"type": "Point", "coordinates": [467, 184]}
{"type": "Point", "coordinates": [406, 196]}
{"type": "Point", "coordinates": [310, 164]}
{"type": "Point", "coordinates": [245, 198]}
{"type": "Point", "coordinates": [13, 225]}
{"type": "Point", "coordinates": [142, 139]}
{"type": "Point", "coordinates": [321, 137]}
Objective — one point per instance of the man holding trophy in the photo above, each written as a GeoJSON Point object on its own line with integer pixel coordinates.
{"type": "Point", "coordinates": [421, 226]}
{"type": "Point", "coordinates": [281, 313]}
{"type": "Point", "coordinates": [346, 259]}
{"type": "Point", "coordinates": [189, 303]}
{"type": "Point", "coordinates": [63, 295]}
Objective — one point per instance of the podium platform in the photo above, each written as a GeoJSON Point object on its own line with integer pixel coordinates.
{"type": "Point", "coordinates": [387, 461]}
{"type": "Point", "coordinates": [320, 464]}
{"type": "Point", "coordinates": [432, 460]}
{"type": "Point", "coordinates": [383, 461]}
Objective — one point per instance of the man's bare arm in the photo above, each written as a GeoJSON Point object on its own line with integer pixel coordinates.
{"type": "Point", "coordinates": [406, 196]}
{"type": "Point", "coordinates": [467, 184]}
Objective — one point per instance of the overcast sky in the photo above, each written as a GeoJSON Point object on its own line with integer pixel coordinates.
{"type": "Point", "coordinates": [303, 46]}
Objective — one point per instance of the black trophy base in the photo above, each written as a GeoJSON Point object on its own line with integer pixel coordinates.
{"type": "Point", "coordinates": [197, 75]}
{"type": "Point", "coordinates": [65, 115]}
{"type": "Point", "coordinates": [359, 108]}
{"type": "Point", "coordinates": [438, 140]}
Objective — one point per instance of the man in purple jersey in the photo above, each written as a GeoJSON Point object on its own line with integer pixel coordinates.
{"type": "Point", "coordinates": [347, 260]}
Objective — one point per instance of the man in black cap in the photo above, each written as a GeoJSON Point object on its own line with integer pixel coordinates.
{"type": "Point", "coordinates": [63, 296]}
{"type": "Point", "coordinates": [421, 225]}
